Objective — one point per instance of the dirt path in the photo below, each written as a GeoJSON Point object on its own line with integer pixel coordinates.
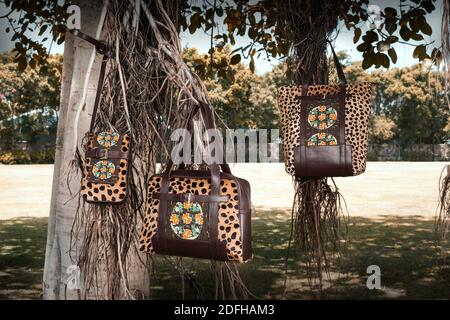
{"type": "Point", "coordinates": [387, 188]}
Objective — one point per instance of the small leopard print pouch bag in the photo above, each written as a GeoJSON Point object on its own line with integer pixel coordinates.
{"type": "Point", "coordinates": [107, 153]}
{"type": "Point", "coordinates": [105, 170]}
{"type": "Point", "coordinates": [324, 128]}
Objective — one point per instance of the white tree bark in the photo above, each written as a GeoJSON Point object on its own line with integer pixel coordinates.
{"type": "Point", "coordinates": [58, 256]}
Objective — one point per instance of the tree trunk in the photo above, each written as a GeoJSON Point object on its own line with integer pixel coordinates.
{"type": "Point", "coordinates": [60, 256]}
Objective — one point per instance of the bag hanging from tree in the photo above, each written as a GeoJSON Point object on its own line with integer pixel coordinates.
{"type": "Point", "coordinates": [325, 127]}
{"type": "Point", "coordinates": [201, 214]}
{"type": "Point", "coordinates": [107, 153]}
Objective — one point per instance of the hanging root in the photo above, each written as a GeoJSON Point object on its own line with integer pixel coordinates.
{"type": "Point", "coordinates": [318, 228]}
{"type": "Point", "coordinates": [443, 209]}
{"type": "Point", "coordinates": [148, 90]}
{"type": "Point", "coordinates": [186, 277]}
{"type": "Point", "coordinates": [228, 282]}
{"type": "Point", "coordinates": [445, 38]}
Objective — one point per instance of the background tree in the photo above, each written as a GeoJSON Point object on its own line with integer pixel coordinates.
{"type": "Point", "coordinates": [410, 104]}
{"type": "Point", "coordinates": [29, 101]}
{"type": "Point", "coordinates": [242, 98]}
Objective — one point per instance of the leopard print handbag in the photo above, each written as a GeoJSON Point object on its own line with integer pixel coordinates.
{"type": "Point", "coordinates": [107, 153]}
{"type": "Point", "coordinates": [199, 214]}
{"type": "Point", "coordinates": [324, 128]}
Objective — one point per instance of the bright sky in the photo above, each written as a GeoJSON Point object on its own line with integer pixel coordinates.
{"type": "Point", "coordinates": [344, 41]}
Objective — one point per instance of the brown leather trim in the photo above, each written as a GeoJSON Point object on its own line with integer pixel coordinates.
{"type": "Point", "coordinates": [185, 197]}
{"type": "Point", "coordinates": [189, 248]}
{"type": "Point", "coordinates": [103, 153]}
{"type": "Point", "coordinates": [243, 185]}
{"type": "Point", "coordinates": [323, 161]}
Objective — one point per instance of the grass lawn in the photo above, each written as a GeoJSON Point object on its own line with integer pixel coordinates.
{"type": "Point", "coordinates": [403, 247]}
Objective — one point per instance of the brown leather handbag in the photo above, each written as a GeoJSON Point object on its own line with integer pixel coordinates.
{"type": "Point", "coordinates": [198, 213]}
{"type": "Point", "coordinates": [107, 153]}
{"type": "Point", "coordinates": [325, 127]}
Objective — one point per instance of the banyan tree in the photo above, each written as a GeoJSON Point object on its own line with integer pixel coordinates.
{"type": "Point", "coordinates": [150, 90]}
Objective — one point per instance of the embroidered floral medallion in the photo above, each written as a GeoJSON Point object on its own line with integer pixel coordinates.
{"type": "Point", "coordinates": [322, 117]}
{"type": "Point", "coordinates": [107, 139]}
{"type": "Point", "coordinates": [103, 169]}
{"type": "Point", "coordinates": [322, 139]}
{"type": "Point", "coordinates": [186, 220]}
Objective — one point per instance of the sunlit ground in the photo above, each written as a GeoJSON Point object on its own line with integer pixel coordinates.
{"type": "Point", "coordinates": [392, 207]}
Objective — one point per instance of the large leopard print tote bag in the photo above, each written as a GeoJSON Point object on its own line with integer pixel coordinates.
{"type": "Point", "coordinates": [324, 128]}
{"type": "Point", "coordinates": [198, 213]}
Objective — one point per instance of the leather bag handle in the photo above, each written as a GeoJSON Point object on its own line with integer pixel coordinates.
{"type": "Point", "coordinates": [338, 65]}
{"type": "Point", "coordinates": [208, 117]}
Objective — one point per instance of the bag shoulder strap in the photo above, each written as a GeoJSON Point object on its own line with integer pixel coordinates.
{"type": "Point", "coordinates": [104, 49]}
{"type": "Point", "coordinates": [338, 65]}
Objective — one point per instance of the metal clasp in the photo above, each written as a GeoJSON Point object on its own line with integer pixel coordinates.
{"type": "Point", "coordinates": [188, 198]}
{"type": "Point", "coordinates": [106, 154]}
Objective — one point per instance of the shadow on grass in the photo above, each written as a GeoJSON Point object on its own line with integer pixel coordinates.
{"type": "Point", "coordinates": [403, 247]}
{"type": "Point", "coordinates": [22, 250]}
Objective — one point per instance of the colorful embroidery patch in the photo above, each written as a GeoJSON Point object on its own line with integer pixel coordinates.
{"type": "Point", "coordinates": [322, 117]}
{"type": "Point", "coordinates": [103, 169]}
{"type": "Point", "coordinates": [186, 220]}
{"type": "Point", "coordinates": [322, 139]}
{"type": "Point", "coordinates": [107, 139]}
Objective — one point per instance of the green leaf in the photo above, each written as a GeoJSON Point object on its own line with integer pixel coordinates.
{"type": "Point", "coordinates": [43, 28]}
{"type": "Point", "coordinates": [383, 60]}
{"type": "Point", "coordinates": [390, 12]}
{"type": "Point", "coordinates": [370, 36]}
{"type": "Point", "coordinates": [368, 61]}
{"type": "Point", "coordinates": [420, 52]}
{"type": "Point", "coordinates": [426, 28]}
{"type": "Point", "coordinates": [252, 33]}
{"type": "Point", "coordinates": [436, 55]}
{"type": "Point", "coordinates": [235, 59]}
{"type": "Point", "coordinates": [195, 22]}
{"type": "Point", "coordinates": [391, 39]}
{"type": "Point", "coordinates": [22, 64]}
{"type": "Point", "coordinates": [405, 33]}
{"type": "Point", "coordinates": [390, 26]}
{"type": "Point", "coordinates": [32, 63]}
{"type": "Point", "coordinates": [364, 47]}
{"type": "Point", "coordinates": [357, 35]}
{"type": "Point", "coordinates": [393, 55]}
{"type": "Point", "coordinates": [416, 36]}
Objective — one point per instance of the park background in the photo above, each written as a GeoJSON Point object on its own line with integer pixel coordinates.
{"type": "Point", "coordinates": [392, 205]}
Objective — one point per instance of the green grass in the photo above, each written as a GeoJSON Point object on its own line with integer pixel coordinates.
{"type": "Point", "coordinates": [22, 250]}
{"type": "Point", "coordinates": [403, 247]}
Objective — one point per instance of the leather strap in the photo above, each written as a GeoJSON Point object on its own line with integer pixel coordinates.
{"type": "Point", "coordinates": [188, 197]}
{"type": "Point", "coordinates": [104, 49]}
{"type": "Point", "coordinates": [100, 153]}
{"type": "Point", "coordinates": [208, 117]}
{"type": "Point", "coordinates": [213, 198]}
